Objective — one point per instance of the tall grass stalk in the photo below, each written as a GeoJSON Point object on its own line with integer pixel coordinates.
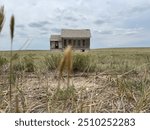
{"type": "Point", "coordinates": [66, 61]}
{"type": "Point", "coordinates": [2, 17]}
{"type": "Point", "coordinates": [12, 24]}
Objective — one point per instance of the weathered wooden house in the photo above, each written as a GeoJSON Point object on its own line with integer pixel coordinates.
{"type": "Point", "coordinates": [79, 39]}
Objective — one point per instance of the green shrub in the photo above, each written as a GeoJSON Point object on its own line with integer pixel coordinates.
{"type": "Point", "coordinates": [15, 56]}
{"type": "Point", "coordinates": [52, 61]}
{"type": "Point", "coordinates": [29, 63]}
{"type": "Point", "coordinates": [3, 61]}
{"type": "Point", "coordinates": [18, 66]}
{"type": "Point", "coordinates": [83, 63]}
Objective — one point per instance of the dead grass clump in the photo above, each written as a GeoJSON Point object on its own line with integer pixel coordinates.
{"type": "Point", "coordinates": [64, 100]}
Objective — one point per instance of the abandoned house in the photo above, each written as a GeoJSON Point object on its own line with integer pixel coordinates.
{"type": "Point", "coordinates": [79, 39]}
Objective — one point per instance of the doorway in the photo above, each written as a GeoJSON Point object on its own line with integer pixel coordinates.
{"type": "Point", "coordinates": [56, 45]}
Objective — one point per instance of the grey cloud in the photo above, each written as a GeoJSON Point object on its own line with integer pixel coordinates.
{"type": "Point", "coordinates": [139, 9]}
{"type": "Point", "coordinates": [127, 31]}
{"type": "Point", "coordinates": [45, 22]}
{"type": "Point", "coordinates": [64, 17]}
{"type": "Point", "coordinates": [70, 25]}
{"type": "Point", "coordinates": [131, 33]}
{"type": "Point", "coordinates": [99, 22]}
{"type": "Point", "coordinates": [57, 18]}
{"type": "Point", "coordinates": [35, 25]}
{"type": "Point", "coordinates": [134, 10]}
{"type": "Point", "coordinates": [34, 3]}
{"type": "Point", "coordinates": [83, 17]}
{"type": "Point", "coordinates": [43, 33]}
{"type": "Point", "coordinates": [44, 28]}
{"type": "Point", "coordinates": [68, 14]}
{"type": "Point", "coordinates": [70, 18]}
{"type": "Point", "coordinates": [22, 34]}
{"type": "Point", "coordinates": [20, 26]}
{"type": "Point", "coordinates": [59, 11]}
{"type": "Point", "coordinates": [55, 30]}
{"type": "Point", "coordinates": [39, 24]}
{"type": "Point", "coordinates": [119, 31]}
{"type": "Point", "coordinates": [106, 32]}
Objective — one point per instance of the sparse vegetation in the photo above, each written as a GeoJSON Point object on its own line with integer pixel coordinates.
{"type": "Point", "coordinates": [104, 80]}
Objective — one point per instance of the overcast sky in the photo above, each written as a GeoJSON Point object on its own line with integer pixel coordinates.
{"type": "Point", "coordinates": [113, 23]}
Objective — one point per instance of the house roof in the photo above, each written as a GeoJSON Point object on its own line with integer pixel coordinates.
{"type": "Point", "coordinates": [75, 33]}
{"type": "Point", "coordinates": [55, 38]}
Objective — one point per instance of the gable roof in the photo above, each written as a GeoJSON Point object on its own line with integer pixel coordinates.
{"type": "Point", "coordinates": [55, 38]}
{"type": "Point", "coordinates": [75, 33]}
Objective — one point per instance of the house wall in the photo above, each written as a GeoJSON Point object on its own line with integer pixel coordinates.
{"type": "Point", "coordinates": [83, 43]}
{"type": "Point", "coordinates": [52, 44]}
{"type": "Point", "coordinates": [76, 43]}
{"type": "Point", "coordinates": [60, 45]}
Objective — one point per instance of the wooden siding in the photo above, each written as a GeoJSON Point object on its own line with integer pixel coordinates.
{"type": "Point", "coordinates": [76, 43]}
{"type": "Point", "coordinates": [78, 39]}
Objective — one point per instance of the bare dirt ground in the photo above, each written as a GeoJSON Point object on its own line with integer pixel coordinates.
{"type": "Point", "coordinates": [93, 93]}
{"type": "Point", "coordinates": [35, 91]}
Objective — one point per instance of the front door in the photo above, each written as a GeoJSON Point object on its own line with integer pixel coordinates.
{"type": "Point", "coordinates": [56, 45]}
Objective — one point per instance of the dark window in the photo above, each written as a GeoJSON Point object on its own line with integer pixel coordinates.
{"type": "Point", "coordinates": [65, 43]}
{"type": "Point", "coordinates": [82, 50]}
{"type": "Point", "coordinates": [74, 43]}
{"type": "Point", "coordinates": [69, 42]}
{"type": "Point", "coordinates": [56, 44]}
{"type": "Point", "coordinates": [79, 43]}
{"type": "Point", "coordinates": [83, 42]}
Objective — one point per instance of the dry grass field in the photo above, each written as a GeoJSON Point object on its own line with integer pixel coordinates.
{"type": "Point", "coordinates": [102, 80]}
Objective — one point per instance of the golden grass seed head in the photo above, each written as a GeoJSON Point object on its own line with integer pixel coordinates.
{"type": "Point", "coordinates": [12, 24]}
{"type": "Point", "coordinates": [66, 61]}
{"type": "Point", "coordinates": [69, 58]}
{"type": "Point", "coordinates": [2, 17]}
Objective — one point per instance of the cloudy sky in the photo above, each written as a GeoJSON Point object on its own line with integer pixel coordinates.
{"type": "Point", "coordinates": [113, 23]}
